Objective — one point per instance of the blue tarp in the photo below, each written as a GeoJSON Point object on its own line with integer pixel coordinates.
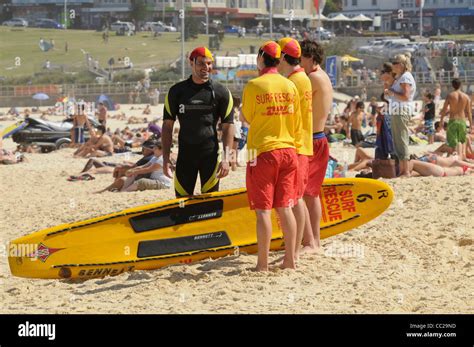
{"type": "Point", "coordinates": [107, 102]}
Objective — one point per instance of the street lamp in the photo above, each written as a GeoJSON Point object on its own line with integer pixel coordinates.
{"type": "Point", "coordinates": [271, 18]}
{"type": "Point", "coordinates": [65, 14]}
{"type": "Point", "coordinates": [163, 19]}
{"type": "Point", "coordinates": [181, 15]}
{"type": "Point", "coordinates": [206, 11]}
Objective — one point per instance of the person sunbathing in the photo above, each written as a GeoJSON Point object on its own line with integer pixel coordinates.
{"type": "Point", "coordinates": [147, 110]}
{"type": "Point", "coordinates": [103, 146]}
{"type": "Point", "coordinates": [421, 168]}
{"type": "Point", "coordinates": [10, 158]}
{"type": "Point", "coordinates": [362, 160]}
{"type": "Point", "coordinates": [440, 132]}
{"type": "Point", "coordinates": [144, 177]}
{"type": "Point", "coordinates": [452, 161]}
{"type": "Point", "coordinates": [431, 165]}
{"type": "Point", "coordinates": [136, 120]}
{"type": "Point", "coordinates": [469, 150]}
{"type": "Point", "coordinates": [94, 166]}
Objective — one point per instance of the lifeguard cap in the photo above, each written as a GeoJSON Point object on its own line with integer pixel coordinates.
{"type": "Point", "coordinates": [272, 49]}
{"type": "Point", "coordinates": [201, 52]}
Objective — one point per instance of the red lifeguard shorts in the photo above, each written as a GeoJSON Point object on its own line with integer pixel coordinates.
{"type": "Point", "coordinates": [272, 179]}
{"type": "Point", "coordinates": [303, 171]}
{"type": "Point", "coordinates": [318, 164]}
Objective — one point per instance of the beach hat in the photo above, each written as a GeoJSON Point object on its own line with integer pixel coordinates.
{"type": "Point", "coordinates": [150, 144]}
{"type": "Point", "coordinates": [201, 52]}
{"type": "Point", "coordinates": [155, 129]}
{"type": "Point", "coordinates": [272, 49]}
{"type": "Point", "coordinates": [290, 47]}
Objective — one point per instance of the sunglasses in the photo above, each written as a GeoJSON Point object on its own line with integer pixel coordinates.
{"type": "Point", "coordinates": [396, 63]}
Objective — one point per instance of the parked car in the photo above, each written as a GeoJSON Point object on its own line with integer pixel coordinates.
{"type": "Point", "coordinates": [400, 48]}
{"type": "Point", "coordinates": [161, 27]}
{"type": "Point", "coordinates": [325, 34]}
{"type": "Point", "coordinates": [48, 134]}
{"type": "Point", "coordinates": [48, 24]}
{"type": "Point", "coordinates": [443, 44]}
{"type": "Point", "coordinates": [367, 49]}
{"type": "Point", "coordinates": [16, 22]}
{"type": "Point", "coordinates": [122, 26]}
{"type": "Point", "coordinates": [468, 49]}
{"type": "Point", "coordinates": [149, 26]}
{"type": "Point", "coordinates": [231, 29]}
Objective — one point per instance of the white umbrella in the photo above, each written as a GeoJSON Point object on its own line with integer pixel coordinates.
{"type": "Point", "coordinates": [340, 18]}
{"type": "Point", "coordinates": [361, 18]}
{"type": "Point", "coordinates": [319, 17]}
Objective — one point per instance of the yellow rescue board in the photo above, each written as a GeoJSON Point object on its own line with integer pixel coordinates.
{"type": "Point", "coordinates": [10, 130]}
{"type": "Point", "coordinates": [180, 231]}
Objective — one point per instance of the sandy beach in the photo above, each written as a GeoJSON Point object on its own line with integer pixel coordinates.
{"type": "Point", "coordinates": [417, 257]}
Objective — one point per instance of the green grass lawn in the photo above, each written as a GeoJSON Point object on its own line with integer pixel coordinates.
{"type": "Point", "coordinates": [456, 37]}
{"type": "Point", "coordinates": [143, 50]}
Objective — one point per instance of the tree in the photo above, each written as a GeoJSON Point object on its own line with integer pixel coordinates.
{"type": "Point", "coordinates": [5, 13]}
{"type": "Point", "coordinates": [139, 11]}
{"type": "Point", "coordinates": [332, 6]}
{"type": "Point", "coordinates": [341, 46]}
{"type": "Point", "coordinates": [191, 28]}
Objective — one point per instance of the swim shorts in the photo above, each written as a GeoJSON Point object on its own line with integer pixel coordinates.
{"type": "Point", "coordinates": [272, 179]}
{"type": "Point", "coordinates": [456, 132]}
{"type": "Point", "coordinates": [356, 136]}
{"type": "Point", "coordinates": [302, 174]}
{"type": "Point", "coordinates": [317, 165]}
{"type": "Point", "coordinates": [79, 135]}
{"type": "Point", "coordinates": [429, 127]}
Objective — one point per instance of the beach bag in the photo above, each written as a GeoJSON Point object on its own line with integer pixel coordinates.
{"type": "Point", "coordinates": [384, 168]}
{"type": "Point", "coordinates": [331, 168]}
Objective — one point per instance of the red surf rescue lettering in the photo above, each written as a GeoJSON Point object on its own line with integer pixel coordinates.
{"type": "Point", "coordinates": [336, 203]}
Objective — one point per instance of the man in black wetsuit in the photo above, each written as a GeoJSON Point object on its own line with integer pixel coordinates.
{"type": "Point", "coordinates": [199, 104]}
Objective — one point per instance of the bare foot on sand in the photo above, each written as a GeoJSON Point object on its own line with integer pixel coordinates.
{"type": "Point", "coordinates": [260, 269]}
{"type": "Point", "coordinates": [288, 265]}
{"type": "Point", "coordinates": [278, 260]}
{"type": "Point", "coordinates": [311, 250]}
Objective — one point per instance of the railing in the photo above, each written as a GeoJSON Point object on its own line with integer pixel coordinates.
{"type": "Point", "coordinates": [444, 78]}
{"type": "Point", "coordinates": [95, 89]}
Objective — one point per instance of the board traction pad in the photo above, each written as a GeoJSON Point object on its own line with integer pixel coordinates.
{"type": "Point", "coordinates": [183, 244]}
{"type": "Point", "coordinates": [178, 215]}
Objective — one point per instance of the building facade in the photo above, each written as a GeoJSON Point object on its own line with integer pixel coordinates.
{"type": "Point", "coordinates": [52, 9]}
{"type": "Point", "coordinates": [450, 15]}
{"type": "Point", "coordinates": [94, 13]}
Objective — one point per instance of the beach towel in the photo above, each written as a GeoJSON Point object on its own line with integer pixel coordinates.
{"type": "Point", "coordinates": [384, 141]}
{"type": "Point", "coordinates": [415, 140]}
{"type": "Point", "coordinates": [85, 177]}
